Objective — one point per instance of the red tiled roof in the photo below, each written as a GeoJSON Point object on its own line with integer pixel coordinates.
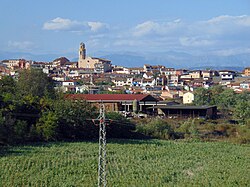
{"type": "Point", "coordinates": [111, 97]}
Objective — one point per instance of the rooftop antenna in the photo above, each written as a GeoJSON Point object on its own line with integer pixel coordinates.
{"type": "Point", "coordinates": [102, 122]}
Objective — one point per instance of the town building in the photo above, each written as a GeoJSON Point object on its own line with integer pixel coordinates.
{"type": "Point", "coordinates": [117, 102]}
{"type": "Point", "coordinates": [246, 71]}
{"type": "Point", "coordinates": [16, 64]}
{"type": "Point", "coordinates": [188, 98]}
{"type": "Point", "coordinates": [96, 64]}
{"type": "Point", "coordinates": [227, 75]}
{"type": "Point", "coordinates": [184, 111]}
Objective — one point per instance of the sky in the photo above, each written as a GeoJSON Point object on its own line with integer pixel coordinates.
{"type": "Point", "coordinates": [58, 26]}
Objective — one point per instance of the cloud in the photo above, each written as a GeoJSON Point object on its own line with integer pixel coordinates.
{"type": "Point", "coordinates": [97, 26]}
{"type": "Point", "coordinates": [62, 24]}
{"type": "Point", "coordinates": [220, 33]}
{"type": "Point", "coordinates": [145, 28]}
{"type": "Point", "coordinates": [128, 43]}
{"type": "Point", "coordinates": [21, 45]}
{"type": "Point", "coordinates": [58, 24]}
{"type": "Point", "coordinates": [156, 28]}
{"type": "Point", "coordinates": [242, 20]}
{"type": "Point", "coordinates": [223, 25]}
{"type": "Point", "coordinates": [195, 42]}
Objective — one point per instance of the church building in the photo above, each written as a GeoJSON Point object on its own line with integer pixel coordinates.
{"type": "Point", "coordinates": [99, 65]}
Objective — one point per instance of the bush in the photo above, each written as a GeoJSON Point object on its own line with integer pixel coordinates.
{"type": "Point", "coordinates": [12, 130]}
{"type": "Point", "coordinates": [47, 126]}
{"type": "Point", "coordinates": [21, 131]}
{"type": "Point", "coordinates": [156, 128]}
{"type": "Point", "coordinates": [119, 126]}
{"type": "Point", "coordinates": [243, 134]}
{"type": "Point", "coordinates": [189, 129]}
{"type": "Point", "coordinates": [116, 116]}
{"type": "Point", "coordinates": [75, 120]}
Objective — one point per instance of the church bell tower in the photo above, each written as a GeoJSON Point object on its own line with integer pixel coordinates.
{"type": "Point", "coordinates": [82, 51]}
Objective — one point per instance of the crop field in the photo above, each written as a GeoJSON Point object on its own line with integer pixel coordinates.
{"type": "Point", "coordinates": [145, 163]}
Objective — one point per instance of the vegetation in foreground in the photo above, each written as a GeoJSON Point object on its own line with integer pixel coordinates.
{"type": "Point", "coordinates": [32, 111]}
{"type": "Point", "coordinates": [194, 129]}
{"type": "Point", "coordinates": [130, 163]}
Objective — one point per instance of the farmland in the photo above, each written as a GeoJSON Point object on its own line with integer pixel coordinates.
{"type": "Point", "coordinates": [130, 163]}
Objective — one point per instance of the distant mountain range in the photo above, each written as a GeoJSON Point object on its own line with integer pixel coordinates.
{"type": "Point", "coordinates": [169, 59]}
{"type": "Point", "coordinates": [34, 57]}
{"type": "Point", "coordinates": [182, 60]}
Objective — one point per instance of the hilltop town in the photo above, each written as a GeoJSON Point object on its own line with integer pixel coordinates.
{"type": "Point", "coordinates": [125, 93]}
{"type": "Point", "coordinates": [92, 75]}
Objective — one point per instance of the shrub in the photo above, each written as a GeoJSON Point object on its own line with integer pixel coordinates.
{"type": "Point", "coordinates": [119, 126]}
{"type": "Point", "coordinates": [47, 126]}
{"type": "Point", "coordinates": [156, 128]}
{"type": "Point", "coordinates": [21, 130]}
{"type": "Point", "coordinates": [189, 129]}
{"type": "Point", "coordinates": [243, 134]}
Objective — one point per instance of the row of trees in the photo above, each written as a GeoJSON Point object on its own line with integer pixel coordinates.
{"type": "Point", "coordinates": [31, 110]}
{"type": "Point", "coordinates": [228, 102]}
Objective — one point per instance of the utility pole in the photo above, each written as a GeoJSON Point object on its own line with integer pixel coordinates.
{"type": "Point", "coordinates": [102, 122]}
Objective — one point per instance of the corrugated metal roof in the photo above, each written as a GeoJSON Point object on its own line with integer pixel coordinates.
{"type": "Point", "coordinates": [187, 107]}
{"type": "Point", "coordinates": [111, 97]}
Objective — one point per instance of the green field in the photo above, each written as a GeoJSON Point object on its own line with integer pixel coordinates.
{"type": "Point", "coordinates": [130, 163]}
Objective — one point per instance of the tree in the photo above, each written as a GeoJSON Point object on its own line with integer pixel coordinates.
{"type": "Point", "coordinates": [74, 119]}
{"type": "Point", "coordinates": [7, 91]}
{"type": "Point", "coordinates": [242, 111]}
{"type": "Point", "coordinates": [226, 101]}
{"type": "Point", "coordinates": [20, 131]}
{"type": "Point", "coordinates": [3, 133]}
{"type": "Point", "coordinates": [242, 107]}
{"type": "Point", "coordinates": [244, 96]}
{"type": "Point", "coordinates": [35, 83]}
{"type": "Point", "coordinates": [202, 96]}
{"type": "Point", "coordinates": [7, 85]}
{"type": "Point", "coordinates": [47, 126]}
{"type": "Point", "coordinates": [215, 92]}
